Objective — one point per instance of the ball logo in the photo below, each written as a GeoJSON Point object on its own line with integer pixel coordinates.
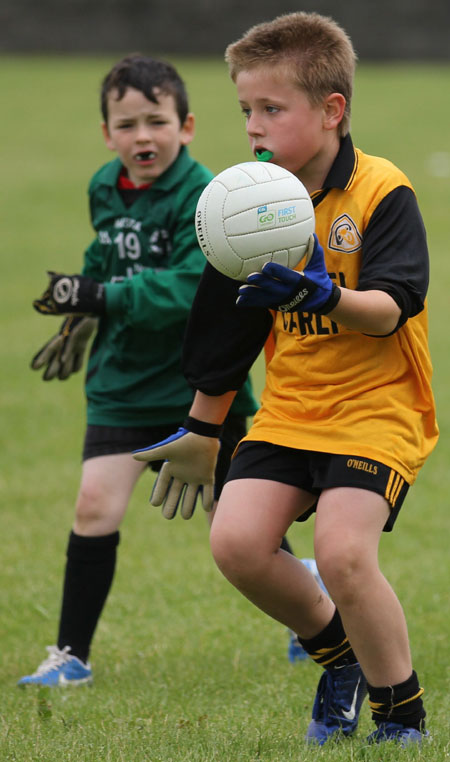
{"type": "Point", "coordinates": [344, 235]}
{"type": "Point", "coordinates": [265, 218]}
{"type": "Point", "coordinates": [278, 216]}
{"type": "Point", "coordinates": [286, 215]}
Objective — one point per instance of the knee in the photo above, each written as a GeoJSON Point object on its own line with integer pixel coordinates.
{"type": "Point", "coordinates": [90, 506]}
{"type": "Point", "coordinates": [237, 556]}
{"type": "Point", "coordinates": [344, 570]}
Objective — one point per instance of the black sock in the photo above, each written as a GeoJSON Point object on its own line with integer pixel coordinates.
{"type": "Point", "coordinates": [400, 703]}
{"type": "Point", "coordinates": [89, 574]}
{"type": "Point", "coordinates": [286, 545]}
{"type": "Point", "coordinates": [331, 647]}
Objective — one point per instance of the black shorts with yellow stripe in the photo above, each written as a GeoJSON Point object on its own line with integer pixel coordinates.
{"type": "Point", "coordinates": [316, 471]}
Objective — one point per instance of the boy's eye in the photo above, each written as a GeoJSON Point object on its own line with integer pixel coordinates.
{"type": "Point", "coordinates": [272, 109]}
{"type": "Point", "coordinates": [246, 112]}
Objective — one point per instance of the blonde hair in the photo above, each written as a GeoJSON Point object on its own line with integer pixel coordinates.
{"type": "Point", "coordinates": [315, 48]}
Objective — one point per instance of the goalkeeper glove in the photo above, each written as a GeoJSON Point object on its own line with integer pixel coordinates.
{"type": "Point", "coordinates": [279, 288]}
{"type": "Point", "coordinates": [63, 354]}
{"type": "Point", "coordinates": [71, 294]}
{"type": "Point", "coordinates": [190, 461]}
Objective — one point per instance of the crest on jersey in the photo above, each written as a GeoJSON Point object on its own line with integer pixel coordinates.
{"type": "Point", "coordinates": [344, 235]}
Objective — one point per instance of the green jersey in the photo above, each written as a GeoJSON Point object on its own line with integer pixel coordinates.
{"type": "Point", "coordinates": [146, 252]}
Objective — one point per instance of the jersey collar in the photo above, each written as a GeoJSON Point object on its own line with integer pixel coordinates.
{"type": "Point", "coordinates": [343, 167]}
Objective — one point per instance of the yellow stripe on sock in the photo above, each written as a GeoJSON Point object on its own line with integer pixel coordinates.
{"type": "Point", "coordinates": [377, 705]}
{"type": "Point", "coordinates": [412, 698]}
{"type": "Point", "coordinates": [333, 658]}
{"type": "Point", "coordinates": [333, 648]}
{"type": "Point", "coordinates": [336, 652]}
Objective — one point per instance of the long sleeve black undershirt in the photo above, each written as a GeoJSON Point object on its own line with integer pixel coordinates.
{"type": "Point", "coordinates": [222, 340]}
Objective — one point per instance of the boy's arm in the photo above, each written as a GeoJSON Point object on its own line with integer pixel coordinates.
{"type": "Point", "coordinates": [392, 284]}
{"type": "Point", "coordinates": [221, 344]}
{"type": "Point", "coordinates": [371, 312]}
{"type": "Point", "coordinates": [394, 275]}
{"type": "Point", "coordinates": [277, 287]}
{"type": "Point", "coordinates": [222, 341]}
{"type": "Point", "coordinates": [211, 409]}
{"type": "Point", "coordinates": [154, 298]}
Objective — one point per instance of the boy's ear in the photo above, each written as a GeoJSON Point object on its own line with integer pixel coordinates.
{"type": "Point", "coordinates": [187, 130]}
{"type": "Point", "coordinates": [107, 137]}
{"type": "Point", "coordinates": [334, 108]}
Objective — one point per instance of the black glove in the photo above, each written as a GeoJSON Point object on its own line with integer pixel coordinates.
{"type": "Point", "coordinates": [71, 294]}
{"type": "Point", "coordinates": [63, 354]}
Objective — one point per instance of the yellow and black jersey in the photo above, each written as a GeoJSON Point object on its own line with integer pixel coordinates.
{"type": "Point", "coordinates": [330, 389]}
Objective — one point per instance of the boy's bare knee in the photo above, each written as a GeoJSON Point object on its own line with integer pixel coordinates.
{"type": "Point", "coordinates": [90, 505]}
{"type": "Point", "coordinates": [236, 556]}
{"type": "Point", "coordinates": [342, 569]}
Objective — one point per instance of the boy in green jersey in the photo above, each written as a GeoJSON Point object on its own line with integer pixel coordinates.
{"type": "Point", "coordinates": [139, 278]}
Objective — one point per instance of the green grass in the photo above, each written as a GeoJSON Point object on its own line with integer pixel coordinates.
{"type": "Point", "coordinates": [185, 669]}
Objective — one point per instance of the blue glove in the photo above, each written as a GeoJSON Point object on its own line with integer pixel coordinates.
{"type": "Point", "coordinates": [279, 288]}
{"type": "Point", "coordinates": [189, 468]}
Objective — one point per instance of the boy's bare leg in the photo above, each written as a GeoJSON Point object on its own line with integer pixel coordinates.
{"type": "Point", "coordinates": [348, 527]}
{"type": "Point", "coordinates": [106, 486]}
{"type": "Point", "coordinates": [245, 539]}
{"type": "Point", "coordinates": [349, 523]}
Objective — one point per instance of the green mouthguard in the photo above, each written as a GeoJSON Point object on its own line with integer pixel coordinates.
{"type": "Point", "coordinates": [264, 155]}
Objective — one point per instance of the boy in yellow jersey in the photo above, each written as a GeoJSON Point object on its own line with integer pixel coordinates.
{"type": "Point", "coordinates": [347, 416]}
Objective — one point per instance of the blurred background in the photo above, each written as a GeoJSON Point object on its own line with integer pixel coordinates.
{"type": "Point", "coordinates": [385, 29]}
{"type": "Point", "coordinates": [176, 659]}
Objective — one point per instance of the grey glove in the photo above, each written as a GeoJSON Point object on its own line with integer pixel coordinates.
{"type": "Point", "coordinates": [188, 471]}
{"type": "Point", "coordinates": [63, 354]}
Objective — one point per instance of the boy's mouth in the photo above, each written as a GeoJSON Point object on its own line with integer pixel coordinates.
{"type": "Point", "coordinates": [145, 156]}
{"type": "Point", "coordinates": [263, 154]}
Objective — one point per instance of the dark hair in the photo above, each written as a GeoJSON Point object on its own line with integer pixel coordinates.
{"type": "Point", "coordinates": [144, 74]}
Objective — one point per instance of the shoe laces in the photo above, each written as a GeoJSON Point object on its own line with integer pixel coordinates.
{"type": "Point", "coordinates": [56, 658]}
{"type": "Point", "coordinates": [331, 693]}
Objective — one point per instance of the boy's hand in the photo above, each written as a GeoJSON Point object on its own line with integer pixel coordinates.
{"type": "Point", "coordinates": [279, 288]}
{"type": "Point", "coordinates": [63, 354]}
{"type": "Point", "coordinates": [71, 294]}
{"type": "Point", "coordinates": [188, 471]}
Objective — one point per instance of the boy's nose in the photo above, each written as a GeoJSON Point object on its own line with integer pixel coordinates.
{"type": "Point", "coordinates": [254, 126]}
{"type": "Point", "coordinates": [143, 134]}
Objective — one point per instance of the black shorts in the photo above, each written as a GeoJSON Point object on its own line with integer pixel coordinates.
{"type": "Point", "coordinates": [112, 440]}
{"type": "Point", "coordinates": [315, 471]}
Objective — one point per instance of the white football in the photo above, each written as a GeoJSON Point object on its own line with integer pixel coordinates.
{"type": "Point", "coordinates": [253, 213]}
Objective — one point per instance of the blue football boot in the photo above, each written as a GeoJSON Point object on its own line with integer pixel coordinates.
{"type": "Point", "coordinates": [59, 668]}
{"type": "Point", "coordinates": [392, 731]}
{"type": "Point", "coordinates": [338, 701]}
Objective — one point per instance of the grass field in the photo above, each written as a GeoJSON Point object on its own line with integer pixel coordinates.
{"type": "Point", "coordinates": [185, 669]}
